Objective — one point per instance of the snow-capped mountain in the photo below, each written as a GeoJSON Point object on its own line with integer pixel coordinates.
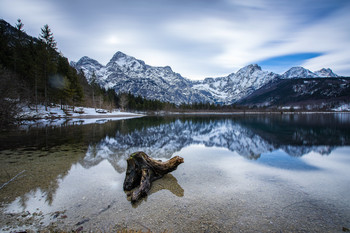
{"type": "Point", "coordinates": [301, 72]}
{"type": "Point", "coordinates": [236, 85]}
{"type": "Point", "coordinates": [125, 73]}
{"type": "Point", "coordinates": [309, 93]}
{"type": "Point", "coordinates": [298, 72]}
{"type": "Point", "coordinates": [325, 73]}
{"type": "Point", "coordinates": [88, 66]}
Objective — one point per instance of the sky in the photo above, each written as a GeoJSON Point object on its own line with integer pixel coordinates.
{"type": "Point", "coordinates": [197, 38]}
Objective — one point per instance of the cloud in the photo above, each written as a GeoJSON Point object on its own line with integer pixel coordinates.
{"type": "Point", "coordinates": [237, 43]}
{"type": "Point", "coordinates": [333, 36]}
{"type": "Point", "coordinates": [196, 38]}
{"type": "Point", "coordinates": [265, 33]}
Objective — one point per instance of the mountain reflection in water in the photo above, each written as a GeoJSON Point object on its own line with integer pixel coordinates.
{"type": "Point", "coordinates": [249, 136]}
{"type": "Point", "coordinates": [241, 172]}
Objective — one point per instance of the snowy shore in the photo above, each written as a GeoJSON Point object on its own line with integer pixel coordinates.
{"type": "Point", "coordinates": [55, 111]}
{"type": "Point", "coordinates": [54, 115]}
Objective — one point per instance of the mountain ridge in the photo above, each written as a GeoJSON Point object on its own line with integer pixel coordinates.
{"type": "Point", "coordinates": [309, 93]}
{"type": "Point", "coordinates": [125, 73]}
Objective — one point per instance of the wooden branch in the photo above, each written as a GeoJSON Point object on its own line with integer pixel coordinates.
{"type": "Point", "coordinates": [4, 184]}
{"type": "Point", "coordinates": [142, 170]}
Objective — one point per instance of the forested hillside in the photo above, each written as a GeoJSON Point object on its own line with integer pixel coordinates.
{"type": "Point", "coordinates": [44, 74]}
{"type": "Point", "coordinates": [33, 72]}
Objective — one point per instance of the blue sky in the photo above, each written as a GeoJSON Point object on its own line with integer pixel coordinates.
{"type": "Point", "coordinates": [197, 38]}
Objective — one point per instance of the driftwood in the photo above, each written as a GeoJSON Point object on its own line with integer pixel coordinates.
{"type": "Point", "coordinates": [142, 170]}
{"type": "Point", "coordinates": [13, 178]}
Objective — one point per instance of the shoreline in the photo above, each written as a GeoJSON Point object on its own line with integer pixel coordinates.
{"type": "Point", "coordinates": [103, 116]}
{"type": "Point", "coordinates": [55, 112]}
{"type": "Point", "coordinates": [254, 112]}
{"type": "Point", "coordinates": [80, 117]}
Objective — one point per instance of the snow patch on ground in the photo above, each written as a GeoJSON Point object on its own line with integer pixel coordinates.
{"type": "Point", "coordinates": [37, 116]}
{"type": "Point", "coordinates": [39, 112]}
{"type": "Point", "coordinates": [43, 123]}
{"type": "Point", "coordinates": [343, 107]}
{"type": "Point", "coordinates": [55, 111]}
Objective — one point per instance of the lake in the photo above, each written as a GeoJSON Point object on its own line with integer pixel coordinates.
{"type": "Point", "coordinates": [248, 173]}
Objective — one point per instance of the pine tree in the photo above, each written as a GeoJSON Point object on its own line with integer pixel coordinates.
{"type": "Point", "coordinates": [46, 36]}
{"type": "Point", "coordinates": [18, 43]}
{"type": "Point", "coordinates": [19, 26]}
{"type": "Point", "coordinates": [48, 54]}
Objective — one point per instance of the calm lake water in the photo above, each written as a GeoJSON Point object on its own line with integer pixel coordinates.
{"type": "Point", "coordinates": [248, 173]}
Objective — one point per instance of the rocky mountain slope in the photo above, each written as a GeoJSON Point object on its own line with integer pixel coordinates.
{"type": "Point", "coordinates": [307, 92]}
{"type": "Point", "coordinates": [124, 73]}
{"type": "Point", "coordinates": [235, 86]}
{"type": "Point", "coordinates": [325, 73]}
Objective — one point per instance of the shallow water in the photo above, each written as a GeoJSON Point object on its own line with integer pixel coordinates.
{"type": "Point", "coordinates": [259, 173]}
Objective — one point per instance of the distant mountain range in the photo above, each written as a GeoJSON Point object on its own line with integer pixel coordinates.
{"type": "Point", "coordinates": [324, 93]}
{"type": "Point", "coordinates": [124, 73]}
{"type": "Point", "coordinates": [250, 85]}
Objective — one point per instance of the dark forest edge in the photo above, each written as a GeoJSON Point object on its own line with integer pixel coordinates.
{"type": "Point", "coordinates": [33, 72]}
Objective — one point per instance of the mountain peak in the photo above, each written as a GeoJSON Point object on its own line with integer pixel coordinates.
{"type": "Point", "coordinates": [86, 61]}
{"type": "Point", "coordinates": [298, 72]}
{"type": "Point", "coordinates": [85, 58]}
{"type": "Point", "coordinates": [123, 60]}
{"type": "Point", "coordinates": [118, 55]}
{"type": "Point", "coordinates": [249, 69]}
{"type": "Point", "coordinates": [254, 66]}
{"type": "Point", "coordinates": [325, 73]}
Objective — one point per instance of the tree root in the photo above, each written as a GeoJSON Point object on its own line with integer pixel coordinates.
{"type": "Point", "coordinates": [142, 170]}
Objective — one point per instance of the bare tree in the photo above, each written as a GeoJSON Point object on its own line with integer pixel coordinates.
{"type": "Point", "coordinates": [123, 101]}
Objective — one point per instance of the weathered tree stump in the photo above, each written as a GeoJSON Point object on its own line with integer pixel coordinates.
{"type": "Point", "coordinates": [142, 170]}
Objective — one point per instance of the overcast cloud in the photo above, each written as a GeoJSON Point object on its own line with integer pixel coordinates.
{"type": "Point", "coordinates": [197, 38]}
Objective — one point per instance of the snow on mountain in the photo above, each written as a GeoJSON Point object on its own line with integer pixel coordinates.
{"type": "Point", "coordinates": [298, 72]}
{"type": "Point", "coordinates": [213, 87]}
{"type": "Point", "coordinates": [88, 65]}
{"type": "Point", "coordinates": [124, 73]}
{"type": "Point", "coordinates": [247, 80]}
{"type": "Point", "coordinates": [325, 73]}
{"type": "Point", "coordinates": [309, 93]}
{"type": "Point", "coordinates": [236, 85]}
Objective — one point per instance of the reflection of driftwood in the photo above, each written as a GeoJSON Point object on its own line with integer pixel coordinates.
{"type": "Point", "coordinates": [142, 170]}
{"type": "Point", "coordinates": [168, 182]}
